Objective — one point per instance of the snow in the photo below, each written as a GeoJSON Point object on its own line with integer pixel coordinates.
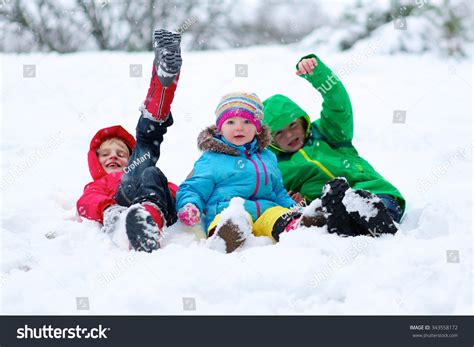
{"type": "Point", "coordinates": [235, 213]}
{"type": "Point", "coordinates": [355, 203]}
{"type": "Point", "coordinates": [49, 258]}
{"type": "Point", "coordinates": [312, 209]}
{"type": "Point", "coordinates": [424, 30]}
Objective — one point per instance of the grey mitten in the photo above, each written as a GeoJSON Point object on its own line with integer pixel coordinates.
{"type": "Point", "coordinates": [111, 217]}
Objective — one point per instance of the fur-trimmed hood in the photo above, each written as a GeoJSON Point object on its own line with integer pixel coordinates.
{"type": "Point", "coordinates": [208, 142]}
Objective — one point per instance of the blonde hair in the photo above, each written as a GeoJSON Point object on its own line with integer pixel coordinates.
{"type": "Point", "coordinates": [117, 141]}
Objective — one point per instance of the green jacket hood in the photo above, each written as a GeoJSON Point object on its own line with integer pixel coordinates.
{"type": "Point", "coordinates": [279, 112]}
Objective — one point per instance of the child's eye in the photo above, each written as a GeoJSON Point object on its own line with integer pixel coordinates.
{"type": "Point", "coordinates": [278, 133]}
{"type": "Point", "coordinates": [230, 122]}
{"type": "Point", "coordinates": [246, 121]}
{"type": "Point", "coordinates": [293, 125]}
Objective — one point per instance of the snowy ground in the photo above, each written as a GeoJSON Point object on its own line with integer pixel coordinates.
{"type": "Point", "coordinates": [48, 121]}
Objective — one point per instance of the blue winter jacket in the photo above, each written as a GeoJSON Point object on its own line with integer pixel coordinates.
{"type": "Point", "coordinates": [225, 171]}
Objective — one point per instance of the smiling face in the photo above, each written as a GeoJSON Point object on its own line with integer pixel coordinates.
{"type": "Point", "coordinates": [238, 131]}
{"type": "Point", "coordinates": [113, 155]}
{"type": "Point", "coordinates": [291, 138]}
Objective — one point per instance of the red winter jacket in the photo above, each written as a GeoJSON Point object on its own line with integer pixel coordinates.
{"type": "Point", "coordinates": [99, 194]}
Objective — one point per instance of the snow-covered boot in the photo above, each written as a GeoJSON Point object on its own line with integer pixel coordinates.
{"type": "Point", "coordinates": [144, 224]}
{"type": "Point", "coordinates": [166, 45]}
{"type": "Point", "coordinates": [164, 77]}
{"type": "Point", "coordinates": [338, 219]}
{"type": "Point", "coordinates": [232, 234]}
{"type": "Point", "coordinates": [369, 213]}
{"type": "Point", "coordinates": [313, 215]}
{"type": "Point", "coordinates": [234, 226]}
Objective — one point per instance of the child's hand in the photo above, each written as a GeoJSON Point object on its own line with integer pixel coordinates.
{"type": "Point", "coordinates": [306, 66]}
{"type": "Point", "coordinates": [189, 215]}
{"type": "Point", "coordinates": [297, 197]}
{"type": "Point", "coordinates": [297, 208]}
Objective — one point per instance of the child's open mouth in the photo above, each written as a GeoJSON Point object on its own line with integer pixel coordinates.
{"type": "Point", "coordinates": [293, 142]}
{"type": "Point", "coordinates": [113, 165]}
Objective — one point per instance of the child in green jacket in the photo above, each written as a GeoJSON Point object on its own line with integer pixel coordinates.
{"type": "Point", "coordinates": [318, 160]}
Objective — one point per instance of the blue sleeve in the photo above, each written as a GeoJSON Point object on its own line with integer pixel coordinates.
{"type": "Point", "coordinates": [199, 185]}
{"type": "Point", "coordinates": [282, 197]}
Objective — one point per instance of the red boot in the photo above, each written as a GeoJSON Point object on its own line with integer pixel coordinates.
{"type": "Point", "coordinates": [157, 104]}
{"type": "Point", "coordinates": [165, 75]}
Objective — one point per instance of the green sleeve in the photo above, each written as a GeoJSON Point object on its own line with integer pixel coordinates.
{"type": "Point", "coordinates": [336, 122]}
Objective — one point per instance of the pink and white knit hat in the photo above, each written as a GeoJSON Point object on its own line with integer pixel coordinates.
{"type": "Point", "coordinates": [244, 105]}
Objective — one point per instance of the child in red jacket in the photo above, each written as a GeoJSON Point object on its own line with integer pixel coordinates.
{"type": "Point", "coordinates": [126, 179]}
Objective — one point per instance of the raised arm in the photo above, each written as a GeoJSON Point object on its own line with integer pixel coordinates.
{"type": "Point", "coordinates": [336, 122]}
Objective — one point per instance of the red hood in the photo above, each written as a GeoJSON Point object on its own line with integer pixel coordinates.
{"type": "Point", "coordinates": [116, 131]}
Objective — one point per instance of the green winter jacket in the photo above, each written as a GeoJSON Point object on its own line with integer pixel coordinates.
{"type": "Point", "coordinates": [328, 151]}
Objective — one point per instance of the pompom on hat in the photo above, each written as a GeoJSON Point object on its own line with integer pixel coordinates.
{"type": "Point", "coordinates": [244, 105]}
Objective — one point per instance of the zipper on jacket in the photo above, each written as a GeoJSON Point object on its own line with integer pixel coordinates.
{"type": "Point", "coordinates": [258, 174]}
{"type": "Point", "coordinates": [264, 168]}
{"type": "Point", "coordinates": [317, 163]}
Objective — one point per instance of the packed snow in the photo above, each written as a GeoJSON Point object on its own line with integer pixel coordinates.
{"type": "Point", "coordinates": [413, 122]}
{"type": "Point", "coordinates": [235, 213]}
{"type": "Point", "coordinates": [363, 206]}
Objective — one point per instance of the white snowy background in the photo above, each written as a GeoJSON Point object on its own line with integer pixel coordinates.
{"type": "Point", "coordinates": [51, 263]}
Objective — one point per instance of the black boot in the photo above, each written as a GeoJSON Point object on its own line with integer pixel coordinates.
{"type": "Point", "coordinates": [144, 227]}
{"type": "Point", "coordinates": [167, 55]}
{"type": "Point", "coordinates": [338, 220]}
{"type": "Point", "coordinates": [369, 213]}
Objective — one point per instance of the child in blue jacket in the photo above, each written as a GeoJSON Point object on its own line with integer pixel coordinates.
{"type": "Point", "coordinates": [237, 163]}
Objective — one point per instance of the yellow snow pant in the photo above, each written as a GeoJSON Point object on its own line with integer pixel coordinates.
{"type": "Point", "coordinates": [271, 223]}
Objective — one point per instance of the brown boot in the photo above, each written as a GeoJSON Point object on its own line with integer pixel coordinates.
{"type": "Point", "coordinates": [315, 218]}
{"type": "Point", "coordinates": [232, 235]}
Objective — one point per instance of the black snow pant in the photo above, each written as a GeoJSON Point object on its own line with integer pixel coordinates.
{"type": "Point", "coordinates": [142, 180]}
